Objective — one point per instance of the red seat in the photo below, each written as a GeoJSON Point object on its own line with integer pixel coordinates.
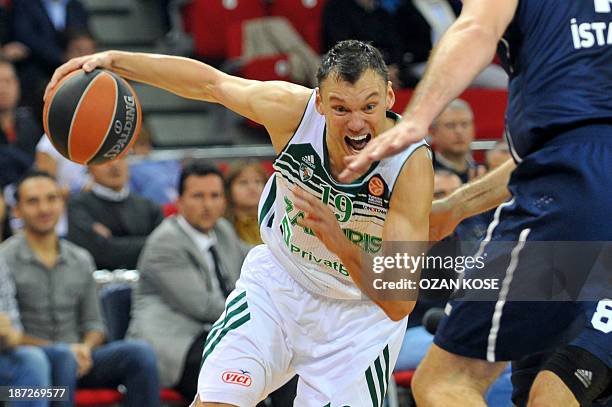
{"type": "Point", "coordinates": [275, 67]}
{"type": "Point", "coordinates": [208, 21]}
{"type": "Point", "coordinates": [489, 108]}
{"type": "Point", "coordinates": [403, 378]}
{"type": "Point", "coordinates": [171, 396]}
{"type": "Point", "coordinates": [97, 397]}
{"type": "Point", "coordinates": [305, 15]}
{"type": "Point", "coordinates": [106, 397]}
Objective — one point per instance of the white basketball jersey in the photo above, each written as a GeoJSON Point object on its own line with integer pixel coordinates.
{"type": "Point", "coordinates": [360, 207]}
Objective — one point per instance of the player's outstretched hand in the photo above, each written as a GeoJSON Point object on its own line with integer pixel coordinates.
{"type": "Point", "coordinates": [391, 142]}
{"type": "Point", "coordinates": [88, 63]}
{"type": "Point", "coordinates": [442, 220]}
{"type": "Point", "coordinates": [320, 219]}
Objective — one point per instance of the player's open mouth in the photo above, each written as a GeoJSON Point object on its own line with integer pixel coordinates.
{"type": "Point", "coordinates": [357, 143]}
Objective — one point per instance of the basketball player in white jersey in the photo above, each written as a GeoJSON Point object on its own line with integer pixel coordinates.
{"type": "Point", "coordinates": [300, 305]}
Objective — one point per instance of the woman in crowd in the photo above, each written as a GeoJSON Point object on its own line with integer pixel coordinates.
{"type": "Point", "coordinates": [244, 186]}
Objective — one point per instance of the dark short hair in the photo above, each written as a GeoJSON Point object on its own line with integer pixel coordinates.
{"type": "Point", "coordinates": [349, 59]}
{"type": "Point", "coordinates": [74, 33]}
{"type": "Point", "coordinates": [33, 173]}
{"type": "Point", "coordinates": [199, 168]}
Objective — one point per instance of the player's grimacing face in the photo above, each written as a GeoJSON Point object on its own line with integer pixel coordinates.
{"type": "Point", "coordinates": [354, 113]}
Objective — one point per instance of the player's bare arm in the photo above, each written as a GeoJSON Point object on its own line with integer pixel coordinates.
{"type": "Point", "coordinates": [465, 49]}
{"type": "Point", "coordinates": [407, 220]}
{"type": "Point", "coordinates": [471, 199]}
{"type": "Point", "coordinates": [276, 105]}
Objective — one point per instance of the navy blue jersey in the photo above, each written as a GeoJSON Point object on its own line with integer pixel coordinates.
{"type": "Point", "coordinates": [558, 54]}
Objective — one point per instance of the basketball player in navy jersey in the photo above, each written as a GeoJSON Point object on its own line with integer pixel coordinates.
{"type": "Point", "coordinates": [558, 55]}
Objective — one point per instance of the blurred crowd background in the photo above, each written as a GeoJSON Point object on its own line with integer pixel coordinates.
{"type": "Point", "coordinates": [181, 210]}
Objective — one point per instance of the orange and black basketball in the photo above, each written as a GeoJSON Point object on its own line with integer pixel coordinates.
{"type": "Point", "coordinates": [92, 117]}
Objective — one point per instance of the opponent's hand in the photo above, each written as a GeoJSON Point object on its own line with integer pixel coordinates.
{"type": "Point", "coordinates": [442, 220]}
{"type": "Point", "coordinates": [391, 142]}
{"type": "Point", "coordinates": [88, 63]}
{"type": "Point", "coordinates": [320, 219]}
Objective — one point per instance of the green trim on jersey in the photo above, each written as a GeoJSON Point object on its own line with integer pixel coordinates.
{"type": "Point", "coordinates": [269, 202]}
{"type": "Point", "coordinates": [226, 323]}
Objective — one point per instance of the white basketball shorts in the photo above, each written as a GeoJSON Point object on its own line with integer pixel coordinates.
{"type": "Point", "coordinates": [272, 329]}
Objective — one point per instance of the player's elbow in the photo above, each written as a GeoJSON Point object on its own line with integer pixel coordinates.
{"type": "Point", "coordinates": [399, 310]}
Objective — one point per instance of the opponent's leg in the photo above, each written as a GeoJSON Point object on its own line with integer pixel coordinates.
{"type": "Point", "coordinates": [445, 379]}
{"type": "Point", "coordinates": [548, 390]}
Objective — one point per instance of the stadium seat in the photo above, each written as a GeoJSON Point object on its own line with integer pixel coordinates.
{"type": "Point", "coordinates": [116, 301]}
{"type": "Point", "coordinates": [489, 109]}
{"type": "Point", "coordinates": [305, 15]}
{"type": "Point", "coordinates": [97, 397]}
{"type": "Point", "coordinates": [403, 378]}
{"type": "Point", "coordinates": [208, 21]}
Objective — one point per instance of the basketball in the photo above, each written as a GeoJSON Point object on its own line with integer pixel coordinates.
{"type": "Point", "coordinates": [93, 117]}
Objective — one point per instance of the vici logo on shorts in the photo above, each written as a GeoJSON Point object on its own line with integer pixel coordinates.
{"type": "Point", "coordinates": [241, 378]}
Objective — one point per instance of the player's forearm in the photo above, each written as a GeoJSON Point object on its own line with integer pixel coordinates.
{"type": "Point", "coordinates": [183, 76]}
{"type": "Point", "coordinates": [358, 264]}
{"type": "Point", "coordinates": [483, 194]}
{"type": "Point", "coordinates": [465, 50]}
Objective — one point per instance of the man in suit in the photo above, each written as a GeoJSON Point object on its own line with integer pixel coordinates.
{"type": "Point", "coordinates": [187, 267]}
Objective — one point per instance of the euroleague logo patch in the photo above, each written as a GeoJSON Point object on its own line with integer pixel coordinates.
{"type": "Point", "coordinates": [242, 378]}
{"type": "Point", "coordinates": [376, 186]}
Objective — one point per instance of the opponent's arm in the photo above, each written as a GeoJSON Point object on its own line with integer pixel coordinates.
{"type": "Point", "coordinates": [471, 199]}
{"type": "Point", "coordinates": [466, 48]}
{"type": "Point", "coordinates": [407, 220]}
{"type": "Point", "coordinates": [276, 105]}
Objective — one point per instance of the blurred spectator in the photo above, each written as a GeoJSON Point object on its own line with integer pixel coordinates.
{"type": "Point", "coordinates": [420, 24]}
{"type": "Point", "coordinates": [71, 177]}
{"type": "Point", "coordinates": [445, 182]}
{"type": "Point", "coordinates": [10, 50]}
{"type": "Point", "coordinates": [57, 297]}
{"type": "Point", "coordinates": [40, 25]}
{"type": "Point", "coordinates": [5, 229]}
{"type": "Point", "coordinates": [499, 154]}
{"type": "Point", "coordinates": [20, 366]}
{"type": "Point", "coordinates": [110, 221]}
{"type": "Point", "coordinates": [245, 184]}
{"type": "Point", "coordinates": [363, 20]}
{"type": "Point", "coordinates": [78, 41]}
{"type": "Point", "coordinates": [19, 131]}
{"type": "Point", "coordinates": [188, 266]}
{"type": "Point", "coordinates": [152, 179]}
{"type": "Point", "coordinates": [452, 132]}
